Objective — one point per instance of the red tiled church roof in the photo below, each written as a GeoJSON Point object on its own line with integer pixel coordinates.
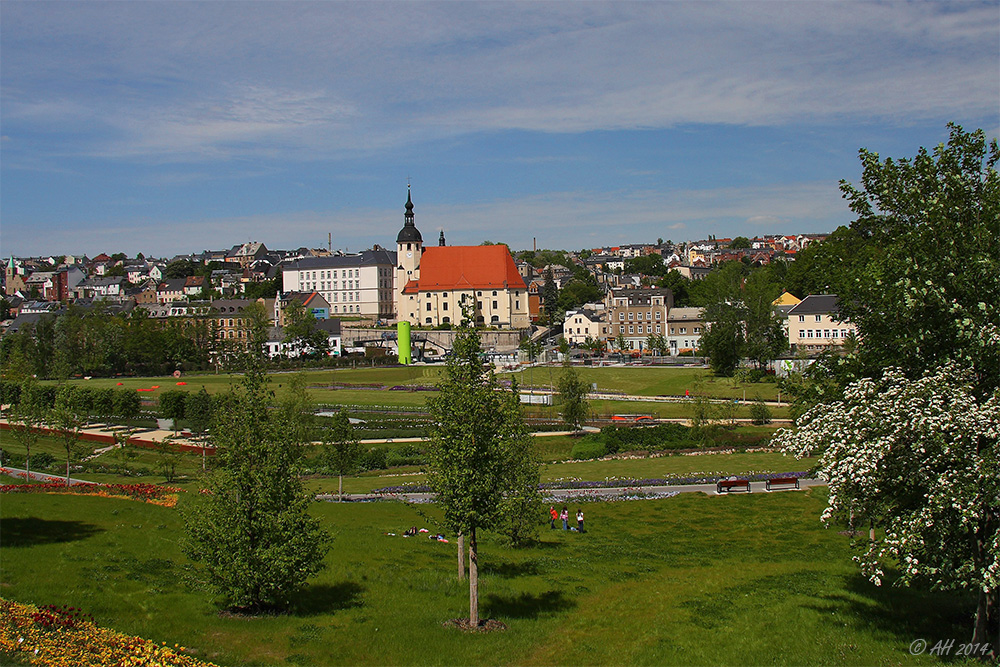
{"type": "Point", "coordinates": [467, 267]}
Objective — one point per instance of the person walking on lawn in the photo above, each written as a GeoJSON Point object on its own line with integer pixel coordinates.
{"type": "Point", "coordinates": [579, 520]}
{"type": "Point", "coordinates": [553, 515]}
{"type": "Point", "coordinates": [565, 518]}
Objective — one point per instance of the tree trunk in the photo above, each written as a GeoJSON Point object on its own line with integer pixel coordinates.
{"type": "Point", "coordinates": [461, 557]}
{"type": "Point", "coordinates": [340, 488]}
{"type": "Point", "coordinates": [473, 581]}
{"type": "Point", "coordinates": [986, 609]}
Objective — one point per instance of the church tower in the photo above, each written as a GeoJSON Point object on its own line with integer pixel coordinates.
{"type": "Point", "coordinates": [409, 247]}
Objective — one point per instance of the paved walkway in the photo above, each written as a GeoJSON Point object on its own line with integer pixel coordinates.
{"type": "Point", "coordinates": [709, 489]}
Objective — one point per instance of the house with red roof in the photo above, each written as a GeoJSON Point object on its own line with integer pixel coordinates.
{"type": "Point", "coordinates": [433, 284]}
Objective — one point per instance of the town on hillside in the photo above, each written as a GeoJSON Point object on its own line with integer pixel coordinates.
{"type": "Point", "coordinates": [642, 302]}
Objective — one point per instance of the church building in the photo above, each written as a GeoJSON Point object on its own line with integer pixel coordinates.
{"type": "Point", "coordinates": [433, 283]}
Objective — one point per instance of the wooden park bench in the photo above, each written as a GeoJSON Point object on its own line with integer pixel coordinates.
{"type": "Point", "coordinates": [783, 482]}
{"type": "Point", "coordinates": [729, 485]}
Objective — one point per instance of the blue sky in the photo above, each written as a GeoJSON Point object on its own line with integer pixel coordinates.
{"type": "Point", "coordinates": [182, 126]}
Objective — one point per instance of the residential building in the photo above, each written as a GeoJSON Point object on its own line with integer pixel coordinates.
{"type": "Point", "coordinates": [814, 325]}
{"type": "Point", "coordinates": [583, 324]}
{"type": "Point", "coordinates": [637, 314]}
{"type": "Point", "coordinates": [312, 301]}
{"type": "Point", "coordinates": [684, 329]}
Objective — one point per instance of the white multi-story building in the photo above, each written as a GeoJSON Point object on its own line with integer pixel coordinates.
{"type": "Point", "coordinates": [359, 284]}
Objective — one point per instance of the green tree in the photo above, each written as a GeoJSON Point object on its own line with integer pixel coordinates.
{"type": "Point", "coordinates": [167, 457]}
{"type": "Point", "coordinates": [550, 296]}
{"type": "Point", "coordinates": [172, 405]}
{"type": "Point", "coordinates": [647, 265]}
{"type": "Point", "coordinates": [265, 289]}
{"type": "Point", "coordinates": [573, 403]}
{"type": "Point", "coordinates": [763, 331]}
{"type": "Point", "coordinates": [577, 292]}
{"type": "Point", "coordinates": [127, 405]}
{"type": "Point", "coordinates": [722, 339]}
{"type": "Point", "coordinates": [478, 437]}
{"type": "Point", "coordinates": [740, 243]}
{"type": "Point", "coordinates": [252, 532]}
{"type": "Point", "coordinates": [181, 268]}
{"type": "Point", "coordinates": [678, 286]}
{"type": "Point", "coordinates": [341, 449]}
{"type": "Point", "coordinates": [198, 409]}
{"type": "Point", "coordinates": [67, 416]}
{"type": "Point", "coordinates": [300, 330]}
{"type": "Point", "coordinates": [621, 342]}
{"type": "Point", "coordinates": [25, 418]}
{"type": "Point", "coordinates": [919, 458]}
{"type": "Point", "coordinates": [929, 290]}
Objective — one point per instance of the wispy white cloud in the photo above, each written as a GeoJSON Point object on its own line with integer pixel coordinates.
{"type": "Point", "coordinates": [210, 81]}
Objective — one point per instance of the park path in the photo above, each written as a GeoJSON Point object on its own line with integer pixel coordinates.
{"type": "Point", "coordinates": [558, 494]}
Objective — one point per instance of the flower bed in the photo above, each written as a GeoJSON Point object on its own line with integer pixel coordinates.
{"type": "Point", "coordinates": [147, 493]}
{"type": "Point", "coordinates": [66, 636]}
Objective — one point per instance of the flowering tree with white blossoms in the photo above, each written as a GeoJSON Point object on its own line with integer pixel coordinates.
{"type": "Point", "coordinates": [920, 459]}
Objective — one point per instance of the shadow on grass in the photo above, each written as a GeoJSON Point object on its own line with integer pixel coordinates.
{"type": "Point", "coordinates": [33, 531]}
{"type": "Point", "coordinates": [327, 598]}
{"type": "Point", "coordinates": [903, 613]}
{"type": "Point", "coordinates": [510, 569]}
{"type": "Point", "coordinates": [526, 605]}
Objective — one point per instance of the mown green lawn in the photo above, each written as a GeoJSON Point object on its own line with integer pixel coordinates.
{"type": "Point", "coordinates": [638, 380]}
{"type": "Point", "coordinates": [689, 580]}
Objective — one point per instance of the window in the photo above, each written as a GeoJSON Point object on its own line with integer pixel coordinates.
{"type": "Point", "coordinates": [621, 317]}
{"type": "Point", "coordinates": [631, 316]}
{"type": "Point", "coordinates": [428, 320]}
{"type": "Point", "coordinates": [494, 319]}
{"type": "Point", "coordinates": [495, 305]}
{"type": "Point", "coordinates": [444, 306]}
{"type": "Point", "coordinates": [684, 330]}
{"type": "Point", "coordinates": [657, 328]}
{"type": "Point", "coordinates": [494, 293]}
{"type": "Point", "coordinates": [697, 330]}
{"type": "Point", "coordinates": [819, 318]}
{"type": "Point", "coordinates": [479, 294]}
{"type": "Point", "coordinates": [428, 307]}
{"type": "Point", "coordinates": [631, 329]}
{"type": "Point", "coordinates": [802, 318]}
{"type": "Point", "coordinates": [517, 305]}
{"type": "Point", "coordinates": [658, 313]}
{"type": "Point", "coordinates": [621, 329]}
{"type": "Point", "coordinates": [671, 331]}
{"type": "Point", "coordinates": [479, 304]}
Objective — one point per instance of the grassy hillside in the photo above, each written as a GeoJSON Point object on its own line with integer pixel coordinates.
{"type": "Point", "coordinates": [751, 579]}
